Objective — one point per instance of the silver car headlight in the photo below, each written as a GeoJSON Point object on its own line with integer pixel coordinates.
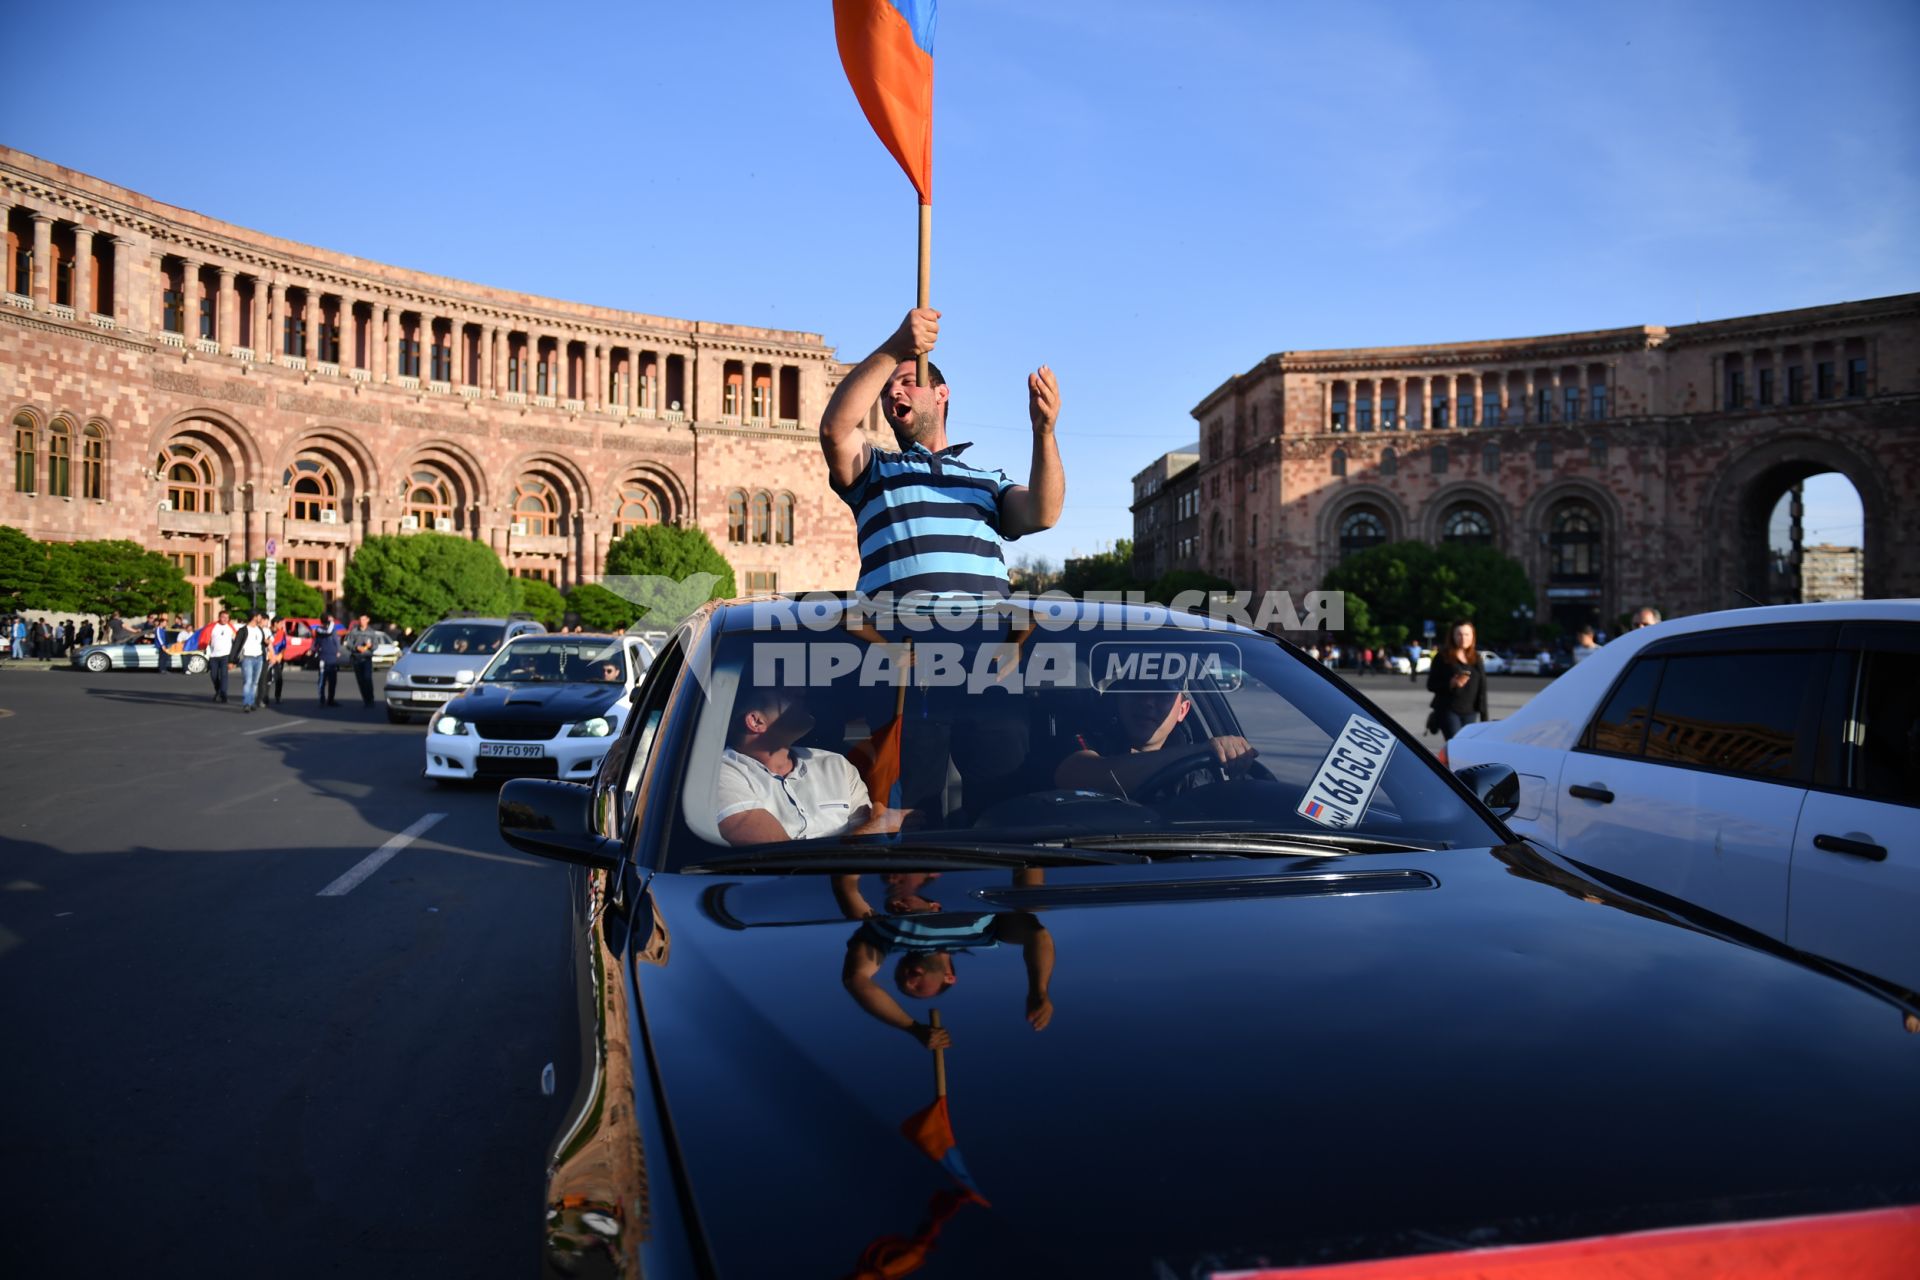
{"type": "Point", "coordinates": [451, 726]}
{"type": "Point", "coordinates": [594, 728]}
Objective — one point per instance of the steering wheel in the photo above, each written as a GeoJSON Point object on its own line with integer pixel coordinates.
{"type": "Point", "coordinates": [1188, 760]}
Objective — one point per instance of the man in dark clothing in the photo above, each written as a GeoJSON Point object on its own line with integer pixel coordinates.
{"type": "Point", "coordinates": [326, 653]}
{"type": "Point", "coordinates": [360, 644]}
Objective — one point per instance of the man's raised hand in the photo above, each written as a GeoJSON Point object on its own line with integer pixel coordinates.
{"type": "Point", "coordinates": [1043, 399]}
{"type": "Point", "coordinates": [916, 334]}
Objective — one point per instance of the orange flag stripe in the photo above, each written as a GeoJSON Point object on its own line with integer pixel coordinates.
{"type": "Point", "coordinates": [892, 77]}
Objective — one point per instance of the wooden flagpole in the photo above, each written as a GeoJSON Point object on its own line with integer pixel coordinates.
{"type": "Point", "coordinates": [926, 282]}
{"type": "Point", "coordinates": [939, 1055]}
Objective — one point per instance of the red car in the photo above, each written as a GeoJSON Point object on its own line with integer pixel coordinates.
{"type": "Point", "coordinates": [300, 639]}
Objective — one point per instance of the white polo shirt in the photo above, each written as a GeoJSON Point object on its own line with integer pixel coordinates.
{"type": "Point", "coordinates": [820, 795]}
{"type": "Point", "coordinates": [220, 641]}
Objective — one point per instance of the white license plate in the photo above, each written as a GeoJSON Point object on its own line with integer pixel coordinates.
{"type": "Point", "coordinates": [515, 750]}
{"type": "Point", "coordinates": [431, 695]}
{"type": "Point", "coordinates": [1343, 786]}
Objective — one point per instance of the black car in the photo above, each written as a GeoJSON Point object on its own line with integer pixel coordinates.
{"type": "Point", "coordinates": [1153, 951]}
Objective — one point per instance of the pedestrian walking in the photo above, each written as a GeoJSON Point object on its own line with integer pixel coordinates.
{"type": "Point", "coordinates": [1458, 682]}
{"type": "Point", "coordinates": [219, 653]}
{"type": "Point", "coordinates": [276, 675]}
{"type": "Point", "coordinates": [19, 637]}
{"type": "Point", "coordinates": [360, 644]}
{"type": "Point", "coordinates": [252, 648]}
{"type": "Point", "coordinates": [326, 655]}
{"type": "Point", "coordinates": [85, 636]}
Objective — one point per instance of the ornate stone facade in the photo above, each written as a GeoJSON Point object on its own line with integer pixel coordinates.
{"type": "Point", "coordinates": [1621, 467]}
{"type": "Point", "coordinates": [201, 388]}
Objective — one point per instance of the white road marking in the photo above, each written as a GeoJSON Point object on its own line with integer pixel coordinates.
{"type": "Point", "coordinates": [378, 858]}
{"type": "Point", "coordinates": [269, 728]}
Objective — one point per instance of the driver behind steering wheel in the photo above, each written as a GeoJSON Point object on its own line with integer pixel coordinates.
{"type": "Point", "coordinates": [1135, 747]}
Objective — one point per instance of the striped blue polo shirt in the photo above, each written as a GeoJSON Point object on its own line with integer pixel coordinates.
{"type": "Point", "coordinates": [928, 522]}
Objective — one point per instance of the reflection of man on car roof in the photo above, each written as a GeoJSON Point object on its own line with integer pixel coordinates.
{"type": "Point", "coordinates": [926, 945]}
{"type": "Point", "coordinates": [1134, 746]}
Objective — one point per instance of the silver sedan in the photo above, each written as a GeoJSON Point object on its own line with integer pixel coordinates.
{"type": "Point", "coordinates": [134, 656]}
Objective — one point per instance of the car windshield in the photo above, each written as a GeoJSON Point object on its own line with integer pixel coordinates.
{"type": "Point", "coordinates": [460, 637]}
{"type": "Point", "coordinates": [559, 660]}
{"type": "Point", "coordinates": [1014, 734]}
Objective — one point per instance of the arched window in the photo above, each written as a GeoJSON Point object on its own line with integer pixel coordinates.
{"type": "Point", "coordinates": [737, 516]}
{"type": "Point", "coordinates": [1361, 528]}
{"type": "Point", "coordinates": [1339, 462]}
{"type": "Point", "coordinates": [23, 453]}
{"type": "Point", "coordinates": [60, 458]}
{"type": "Point", "coordinates": [1389, 462]}
{"type": "Point", "coordinates": [783, 519]}
{"type": "Point", "coordinates": [93, 461]}
{"type": "Point", "coordinates": [191, 478]}
{"type": "Point", "coordinates": [430, 499]}
{"type": "Point", "coordinates": [1467, 524]}
{"type": "Point", "coordinates": [1573, 540]}
{"type": "Point", "coordinates": [536, 506]}
{"type": "Point", "coordinates": [639, 505]}
{"type": "Point", "coordinates": [762, 517]}
{"type": "Point", "coordinates": [313, 489]}
{"type": "Point", "coordinates": [1490, 459]}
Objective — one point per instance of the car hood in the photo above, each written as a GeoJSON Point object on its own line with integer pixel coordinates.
{"type": "Point", "coordinates": [1463, 1047]}
{"type": "Point", "coordinates": [535, 700]}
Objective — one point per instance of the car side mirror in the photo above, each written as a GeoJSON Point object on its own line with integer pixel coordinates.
{"type": "Point", "coordinates": [1496, 786]}
{"type": "Point", "coordinates": [550, 819]}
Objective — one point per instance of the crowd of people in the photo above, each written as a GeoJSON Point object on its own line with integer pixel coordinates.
{"type": "Point", "coordinates": [45, 640]}
{"type": "Point", "coordinates": [262, 649]}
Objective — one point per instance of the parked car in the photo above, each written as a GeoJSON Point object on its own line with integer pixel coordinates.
{"type": "Point", "coordinates": [387, 652]}
{"type": "Point", "coordinates": [1495, 663]}
{"type": "Point", "coordinates": [1538, 663]}
{"type": "Point", "coordinates": [135, 655]}
{"type": "Point", "coordinates": [1762, 763]}
{"type": "Point", "coordinates": [1292, 1000]}
{"type": "Point", "coordinates": [546, 706]}
{"type": "Point", "coordinates": [444, 661]}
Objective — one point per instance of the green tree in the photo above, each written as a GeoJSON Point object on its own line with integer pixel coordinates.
{"type": "Point", "coordinates": [1404, 585]}
{"type": "Point", "coordinates": [1176, 582]}
{"type": "Point", "coordinates": [114, 576]}
{"type": "Point", "coordinates": [600, 609]}
{"type": "Point", "coordinates": [415, 579]}
{"type": "Point", "coordinates": [292, 598]}
{"type": "Point", "coordinates": [667, 572]}
{"type": "Point", "coordinates": [29, 578]}
{"type": "Point", "coordinates": [1110, 570]}
{"type": "Point", "coordinates": [540, 598]}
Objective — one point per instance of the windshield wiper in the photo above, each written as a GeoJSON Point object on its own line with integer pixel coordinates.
{"type": "Point", "coordinates": [895, 857]}
{"type": "Point", "coordinates": [1261, 843]}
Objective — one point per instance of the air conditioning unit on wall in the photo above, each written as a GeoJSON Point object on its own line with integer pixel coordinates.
{"type": "Point", "coordinates": [519, 527]}
{"type": "Point", "coordinates": [410, 523]}
{"type": "Point", "coordinates": [443, 524]}
{"type": "Point", "coordinates": [329, 516]}
{"type": "Point", "coordinates": [166, 504]}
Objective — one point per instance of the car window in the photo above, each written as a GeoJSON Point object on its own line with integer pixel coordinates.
{"type": "Point", "coordinates": [558, 660]}
{"type": "Point", "coordinates": [464, 638]}
{"type": "Point", "coordinates": [1883, 738]}
{"type": "Point", "coordinates": [1736, 712]}
{"type": "Point", "coordinates": [1016, 736]}
{"type": "Point", "coordinates": [1621, 726]}
{"type": "Point", "coordinates": [618, 783]}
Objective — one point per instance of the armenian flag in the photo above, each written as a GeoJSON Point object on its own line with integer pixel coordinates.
{"type": "Point", "coordinates": [931, 1130]}
{"type": "Point", "coordinates": [195, 641]}
{"type": "Point", "coordinates": [886, 47]}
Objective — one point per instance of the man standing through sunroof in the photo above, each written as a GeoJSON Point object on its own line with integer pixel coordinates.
{"type": "Point", "coordinates": [925, 520]}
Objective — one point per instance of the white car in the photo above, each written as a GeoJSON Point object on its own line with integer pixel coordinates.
{"type": "Point", "coordinates": [1530, 664]}
{"type": "Point", "coordinates": [546, 706]}
{"type": "Point", "coordinates": [1495, 663]}
{"type": "Point", "coordinates": [1763, 764]}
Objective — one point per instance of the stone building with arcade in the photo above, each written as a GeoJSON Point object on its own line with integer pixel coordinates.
{"type": "Point", "coordinates": [1621, 467]}
{"type": "Point", "coordinates": [200, 388]}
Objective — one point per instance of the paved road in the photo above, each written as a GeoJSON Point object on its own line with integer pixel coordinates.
{"type": "Point", "coordinates": [1407, 702]}
{"type": "Point", "coordinates": [212, 1069]}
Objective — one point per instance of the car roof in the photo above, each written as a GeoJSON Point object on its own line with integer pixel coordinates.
{"type": "Point", "coordinates": [826, 610]}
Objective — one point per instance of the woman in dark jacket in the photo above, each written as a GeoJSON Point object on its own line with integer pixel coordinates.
{"type": "Point", "coordinates": [1458, 682]}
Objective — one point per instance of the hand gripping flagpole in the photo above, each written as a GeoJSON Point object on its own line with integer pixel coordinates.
{"type": "Point", "coordinates": [939, 1055]}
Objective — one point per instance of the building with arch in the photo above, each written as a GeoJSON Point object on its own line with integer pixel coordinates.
{"type": "Point", "coordinates": [1621, 467]}
{"type": "Point", "coordinates": [201, 388]}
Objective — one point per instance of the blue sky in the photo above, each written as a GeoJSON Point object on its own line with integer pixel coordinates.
{"type": "Point", "coordinates": [1149, 196]}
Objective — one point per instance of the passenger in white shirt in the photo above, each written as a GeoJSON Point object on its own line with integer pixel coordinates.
{"type": "Point", "coordinates": [771, 791]}
{"type": "Point", "coordinates": [219, 653]}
